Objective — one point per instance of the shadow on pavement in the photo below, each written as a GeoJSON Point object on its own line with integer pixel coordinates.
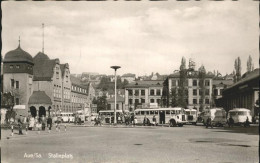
{"type": "Point", "coordinates": [253, 130]}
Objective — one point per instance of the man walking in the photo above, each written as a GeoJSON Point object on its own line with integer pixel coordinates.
{"type": "Point", "coordinates": [20, 125]}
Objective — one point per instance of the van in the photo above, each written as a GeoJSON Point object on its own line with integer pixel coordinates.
{"type": "Point", "coordinates": [239, 115]}
{"type": "Point", "coordinates": [217, 115]}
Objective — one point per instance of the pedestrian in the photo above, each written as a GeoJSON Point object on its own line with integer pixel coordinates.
{"type": "Point", "coordinates": [154, 120]}
{"type": "Point", "coordinates": [145, 121]}
{"type": "Point", "coordinates": [247, 122]}
{"type": "Point", "coordinates": [230, 122]}
{"type": "Point", "coordinates": [49, 122]}
{"type": "Point", "coordinates": [20, 125]}
{"type": "Point", "coordinates": [135, 121]}
{"type": "Point", "coordinates": [43, 123]}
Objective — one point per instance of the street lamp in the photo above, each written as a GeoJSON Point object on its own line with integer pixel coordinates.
{"type": "Point", "coordinates": [115, 68]}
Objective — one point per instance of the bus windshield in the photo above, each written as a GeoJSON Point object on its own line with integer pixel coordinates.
{"type": "Point", "coordinates": [242, 113]}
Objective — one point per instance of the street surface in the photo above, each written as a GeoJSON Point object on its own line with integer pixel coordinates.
{"type": "Point", "coordinates": [128, 144]}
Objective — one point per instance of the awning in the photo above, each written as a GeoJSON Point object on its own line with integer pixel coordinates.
{"type": "Point", "coordinates": [20, 107]}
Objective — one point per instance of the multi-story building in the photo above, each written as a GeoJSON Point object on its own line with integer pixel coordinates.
{"type": "Point", "coordinates": [79, 95]}
{"type": "Point", "coordinates": [18, 76]}
{"type": "Point", "coordinates": [218, 86]}
{"type": "Point", "coordinates": [120, 103]}
{"type": "Point", "coordinates": [40, 84]}
{"type": "Point", "coordinates": [193, 88]}
{"type": "Point", "coordinates": [143, 94]}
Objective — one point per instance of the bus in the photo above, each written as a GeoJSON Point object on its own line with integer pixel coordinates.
{"type": "Point", "coordinates": [109, 114]}
{"type": "Point", "coordinates": [239, 115]}
{"type": "Point", "coordinates": [172, 116]}
{"type": "Point", "coordinates": [80, 116]}
{"type": "Point", "coordinates": [217, 115]}
{"type": "Point", "coordinates": [192, 116]}
{"type": "Point", "coordinates": [67, 117]}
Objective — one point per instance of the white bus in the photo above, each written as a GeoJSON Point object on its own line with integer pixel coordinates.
{"type": "Point", "coordinates": [172, 116]}
{"type": "Point", "coordinates": [217, 115]}
{"type": "Point", "coordinates": [67, 117]}
{"type": "Point", "coordinates": [192, 116]}
{"type": "Point", "coordinates": [109, 114]}
{"type": "Point", "coordinates": [239, 115]}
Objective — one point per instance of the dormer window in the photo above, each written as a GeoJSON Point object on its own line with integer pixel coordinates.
{"type": "Point", "coordinates": [11, 66]}
{"type": "Point", "coordinates": [17, 66]}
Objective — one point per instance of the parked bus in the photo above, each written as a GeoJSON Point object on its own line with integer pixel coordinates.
{"type": "Point", "coordinates": [192, 116]}
{"type": "Point", "coordinates": [109, 115]}
{"type": "Point", "coordinates": [172, 116]}
{"type": "Point", "coordinates": [239, 115]}
{"type": "Point", "coordinates": [80, 116]}
{"type": "Point", "coordinates": [67, 117]}
{"type": "Point", "coordinates": [217, 115]}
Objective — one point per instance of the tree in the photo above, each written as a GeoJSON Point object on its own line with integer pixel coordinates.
{"type": "Point", "coordinates": [101, 103]}
{"type": "Point", "coordinates": [174, 97]}
{"type": "Point", "coordinates": [202, 76]}
{"type": "Point", "coordinates": [182, 93]}
{"type": "Point", "coordinates": [238, 69]}
{"type": "Point", "coordinates": [249, 64]}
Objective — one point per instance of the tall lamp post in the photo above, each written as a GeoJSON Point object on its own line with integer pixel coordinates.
{"type": "Point", "coordinates": [115, 68]}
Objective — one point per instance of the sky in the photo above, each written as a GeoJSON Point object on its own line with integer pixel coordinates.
{"type": "Point", "coordinates": [141, 37]}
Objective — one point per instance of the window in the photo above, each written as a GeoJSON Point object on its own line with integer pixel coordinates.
{"type": "Point", "coordinates": [17, 84]}
{"type": "Point", "coordinates": [136, 101]}
{"type": "Point", "coordinates": [173, 82]}
{"type": "Point", "coordinates": [207, 82]}
{"type": "Point", "coordinates": [142, 100]}
{"type": "Point", "coordinates": [12, 82]}
{"type": "Point", "coordinates": [142, 92]}
{"type": "Point", "coordinates": [117, 106]}
{"type": "Point", "coordinates": [194, 101]}
{"type": "Point", "coordinates": [207, 92]}
{"type": "Point", "coordinates": [11, 66]}
{"type": "Point", "coordinates": [18, 66]}
{"type": "Point", "coordinates": [158, 92]}
{"type": "Point", "coordinates": [221, 90]}
{"type": "Point", "coordinates": [207, 101]}
{"type": "Point", "coordinates": [130, 101]}
{"type": "Point", "coordinates": [57, 75]}
{"type": "Point", "coordinates": [195, 92]}
{"type": "Point", "coordinates": [215, 92]}
{"type": "Point", "coordinates": [167, 112]}
{"type": "Point", "coordinates": [17, 101]}
{"type": "Point", "coordinates": [158, 101]}
{"type": "Point", "coordinates": [194, 83]}
{"type": "Point", "coordinates": [151, 92]}
{"type": "Point", "coordinates": [200, 92]}
{"type": "Point", "coordinates": [136, 92]}
{"type": "Point", "coordinates": [152, 100]}
{"type": "Point", "coordinates": [130, 92]}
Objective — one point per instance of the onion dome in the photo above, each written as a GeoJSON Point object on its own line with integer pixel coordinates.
{"type": "Point", "coordinates": [18, 55]}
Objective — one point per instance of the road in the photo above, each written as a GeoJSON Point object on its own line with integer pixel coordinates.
{"type": "Point", "coordinates": [128, 144]}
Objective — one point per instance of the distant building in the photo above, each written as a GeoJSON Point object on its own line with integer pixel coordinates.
{"type": "Point", "coordinates": [218, 86]}
{"type": "Point", "coordinates": [120, 103]}
{"type": "Point", "coordinates": [128, 77]}
{"type": "Point", "coordinates": [143, 94]}
{"type": "Point", "coordinates": [194, 92]}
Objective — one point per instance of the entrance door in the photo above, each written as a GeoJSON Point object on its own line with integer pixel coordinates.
{"type": "Point", "coordinates": [42, 111]}
{"type": "Point", "coordinates": [33, 111]}
{"type": "Point", "coordinates": [162, 117]}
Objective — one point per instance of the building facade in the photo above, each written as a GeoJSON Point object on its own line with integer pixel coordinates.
{"type": "Point", "coordinates": [193, 89]}
{"type": "Point", "coordinates": [143, 94]}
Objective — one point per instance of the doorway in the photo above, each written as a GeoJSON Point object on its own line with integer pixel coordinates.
{"type": "Point", "coordinates": [162, 117]}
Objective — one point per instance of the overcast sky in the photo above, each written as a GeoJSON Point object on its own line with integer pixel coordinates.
{"type": "Point", "coordinates": [141, 37]}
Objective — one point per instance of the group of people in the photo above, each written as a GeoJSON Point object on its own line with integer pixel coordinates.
{"type": "Point", "coordinates": [36, 123]}
{"type": "Point", "coordinates": [146, 121]}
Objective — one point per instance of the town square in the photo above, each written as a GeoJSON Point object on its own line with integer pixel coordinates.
{"type": "Point", "coordinates": [130, 82]}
